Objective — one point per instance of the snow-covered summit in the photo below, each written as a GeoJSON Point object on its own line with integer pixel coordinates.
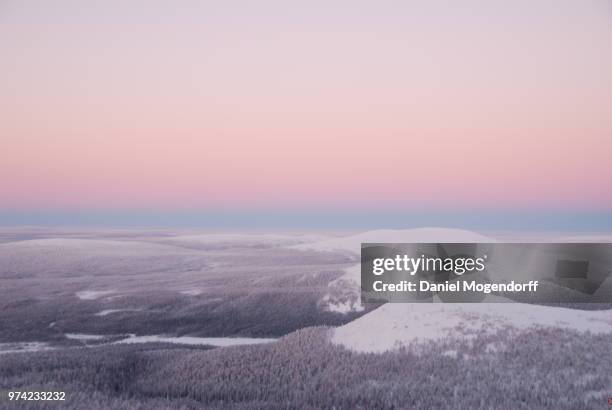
{"type": "Point", "coordinates": [343, 295]}
{"type": "Point", "coordinates": [396, 324]}
{"type": "Point", "coordinates": [352, 243]}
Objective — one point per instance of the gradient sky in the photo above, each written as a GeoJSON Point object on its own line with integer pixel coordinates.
{"type": "Point", "coordinates": [343, 105]}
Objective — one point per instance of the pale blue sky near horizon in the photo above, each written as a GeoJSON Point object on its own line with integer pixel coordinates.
{"type": "Point", "coordinates": [489, 220]}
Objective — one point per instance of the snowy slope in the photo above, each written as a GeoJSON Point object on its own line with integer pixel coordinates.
{"type": "Point", "coordinates": [352, 243]}
{"type": "Point", "coordinates": [343, 294]}
{"type": "Point", "coordinates": [60, 256]}
{"type": "Point", "coordinates": [395, 324]}
{"type": "Point", "coordinates": [216, 239]}
{"type": "Point", "coordinates": [83, 247]}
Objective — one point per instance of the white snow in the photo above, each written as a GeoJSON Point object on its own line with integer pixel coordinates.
{"type": "Point", "coordinates": [196, 341]}
{"type": "Point", "coordinates": [84, 337]}
{"type": "Point", "coordinates": [93, 294]}
{"type": "Point", "coordinates": [106, 312]}
{"type": "Point", "coordinates": [191, 292]}
{"type": "Point", "coordinates": [238, 238]}
{"type": "Point", "coordinates": [395, 324]}
{"type": "Point", "coordinates": [343, 295]}
{"type": "Point", "coordinates": [23, 347]}
{"type": "Point", "coordinates": [78, 246]}
{"type": "Point", "coordinates": [352, 243]}
{"type": "Point", "coordinates": [352, 274]}
{"type": "Point", "coordinates": [451, 353]}
{"type": "Point", "coordinates": [342, 307]}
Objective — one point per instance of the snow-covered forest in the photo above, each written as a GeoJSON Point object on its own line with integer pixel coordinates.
{"type": "Point", "coordinates": [150, 319]}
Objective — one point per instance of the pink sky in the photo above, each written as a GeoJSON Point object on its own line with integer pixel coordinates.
{"type": "Point", "coordinates": [331, 104]}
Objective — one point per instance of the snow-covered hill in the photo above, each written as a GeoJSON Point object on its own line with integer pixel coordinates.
{"type": "Point", "coordinates": [343, 294]}
{"type": "Point", "coordinates": [204, 241]}
{"type": "Point", "coordinates": [48, 257]}
{"type": "Point", "coordinates": [352, 243]}
{"type": "Point", "coordinates": [395, 324]}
